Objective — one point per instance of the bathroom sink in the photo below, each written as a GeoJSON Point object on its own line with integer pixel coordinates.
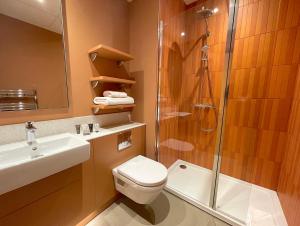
{"type": "Point", "coordinates": [18, 167]}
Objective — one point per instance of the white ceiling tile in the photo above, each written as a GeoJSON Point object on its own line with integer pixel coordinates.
{"type": "Point", "coordinates": [51, 6]}
{"type": "Point", "coordinates": [56, 26]}
{"type": "Point", "coordinates": [26, 11]}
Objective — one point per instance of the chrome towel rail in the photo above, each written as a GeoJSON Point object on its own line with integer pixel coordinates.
{"type": "Point", "coordinates": [17, 93]}
{"type": "Point", "coordinates": [18, 100]}
{"type": "Point", "coordinates": [17, 106]}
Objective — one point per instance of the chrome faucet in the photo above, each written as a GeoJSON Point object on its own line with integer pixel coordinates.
{"type": "Point", "coordinates": [30, 133]}
{"type": "Point", "coordinates": [30, 138]}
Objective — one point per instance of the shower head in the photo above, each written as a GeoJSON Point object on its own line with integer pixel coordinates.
{"type": "Point", "coordinates": [205, 13]}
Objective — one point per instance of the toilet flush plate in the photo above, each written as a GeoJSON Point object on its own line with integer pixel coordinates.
{"type": "Point", "coordinates": [18, 167]}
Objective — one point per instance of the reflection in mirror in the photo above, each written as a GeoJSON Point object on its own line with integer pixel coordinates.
{"type": "Point", "coordinates": [175, 63]}
{"type": "Point", "coordinates": [32, 56]}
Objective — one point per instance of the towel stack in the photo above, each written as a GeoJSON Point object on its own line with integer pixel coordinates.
{"type": "Point", "coordinates": [114, 98]}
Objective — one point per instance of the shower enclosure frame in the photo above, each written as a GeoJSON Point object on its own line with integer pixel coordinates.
{"type": "Point", "coordinates": [232, 22]}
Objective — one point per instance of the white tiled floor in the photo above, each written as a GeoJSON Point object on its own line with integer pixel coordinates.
{"type": "Point", "coordinates": [244, 202]}
{"type": "Point", "coordinates": [166, 210]}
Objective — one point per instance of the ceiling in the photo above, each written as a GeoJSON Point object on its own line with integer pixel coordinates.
{"type": "Point", "coordinates": [42, 13]}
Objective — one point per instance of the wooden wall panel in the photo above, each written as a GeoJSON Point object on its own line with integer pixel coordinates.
{"type": "Point", "coordinates": [289, 182]}
{"type": "Point", "coordinates": [73, 196]}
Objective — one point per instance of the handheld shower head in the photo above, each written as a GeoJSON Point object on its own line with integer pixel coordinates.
{"type": "Point", "coordinates": [205, 48]}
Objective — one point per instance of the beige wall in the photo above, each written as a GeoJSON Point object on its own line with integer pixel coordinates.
{"type": "Point", "coordinates": [144, 47]}
{"type": "Point", "coordinates": [90, 23]}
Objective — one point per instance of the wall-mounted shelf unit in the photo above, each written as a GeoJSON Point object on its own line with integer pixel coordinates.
{"type": "Point", "coordinates": [101, 79]}
{"type": "Point", "coordinates": [109, 53]}
{"type": "Point", "coordinates": [97, 107]}
{"type": "Point", "coordinates": [119, 57]}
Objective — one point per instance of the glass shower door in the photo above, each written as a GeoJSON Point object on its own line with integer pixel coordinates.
{"type": "Point", "coordinates": [192, 68]}
{"type": "Point", "coordinates": [255, 130]}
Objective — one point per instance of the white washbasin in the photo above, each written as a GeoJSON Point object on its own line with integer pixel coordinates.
{"type": "Point", "coordinates": [56, 153]}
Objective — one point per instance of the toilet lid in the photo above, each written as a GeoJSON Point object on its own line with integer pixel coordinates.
{"type": "Point", "coordinates": [144, 171]}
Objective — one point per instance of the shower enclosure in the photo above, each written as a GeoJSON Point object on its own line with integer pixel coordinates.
{"type": "Point", "coordinates": [220, 118]}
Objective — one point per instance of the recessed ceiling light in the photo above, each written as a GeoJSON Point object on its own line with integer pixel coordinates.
{"type": "Point", "coordinates": [40, 1]}
{"type": "Point", "coordinates": [182, 34]}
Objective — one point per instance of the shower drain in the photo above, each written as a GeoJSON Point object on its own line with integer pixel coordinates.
{"type": "Point", "coordinates": [182, 166]}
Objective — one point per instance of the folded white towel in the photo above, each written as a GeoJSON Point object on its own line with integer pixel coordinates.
{"type": "Point", "coordinates": [113, 101]}
{"type": "Point", "coordinates": [116, 94]}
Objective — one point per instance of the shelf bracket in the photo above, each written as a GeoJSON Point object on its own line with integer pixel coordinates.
{"type": "Point", "coordinates": [96, 110]}
{"type": "Point", "coordinates": [93, 56]}
{"type": "Point", "coordinates": [124, 87]}
{"type": "Point", "coordinates": [120, 63]}
{"type": "Point", "coordinates": [95, 84]}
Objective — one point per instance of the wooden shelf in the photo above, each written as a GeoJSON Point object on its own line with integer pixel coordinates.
{"type": "Point", "coordinates": [96, 80]}
{"type": "Point", "coordinates": [97, 107]}
{"type": "Point", "coordinates": [109, 53]}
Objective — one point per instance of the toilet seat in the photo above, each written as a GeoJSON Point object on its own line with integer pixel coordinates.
{"type": "Point", "coordinates": [144, 171]}
{"type": "Point", "coordinates": [140, 179]}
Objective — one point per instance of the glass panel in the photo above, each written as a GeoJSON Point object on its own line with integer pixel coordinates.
{"type": "Point", "coordinates": [260, 94]}
{"type": "Point", "coordinates": [191, 72]}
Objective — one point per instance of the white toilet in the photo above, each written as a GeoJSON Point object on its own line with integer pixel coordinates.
{"type": "Point", "coordinates": [140, 179]}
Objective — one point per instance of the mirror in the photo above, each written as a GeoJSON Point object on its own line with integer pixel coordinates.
{"type": "Point", "coordinates": [32, 56]}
